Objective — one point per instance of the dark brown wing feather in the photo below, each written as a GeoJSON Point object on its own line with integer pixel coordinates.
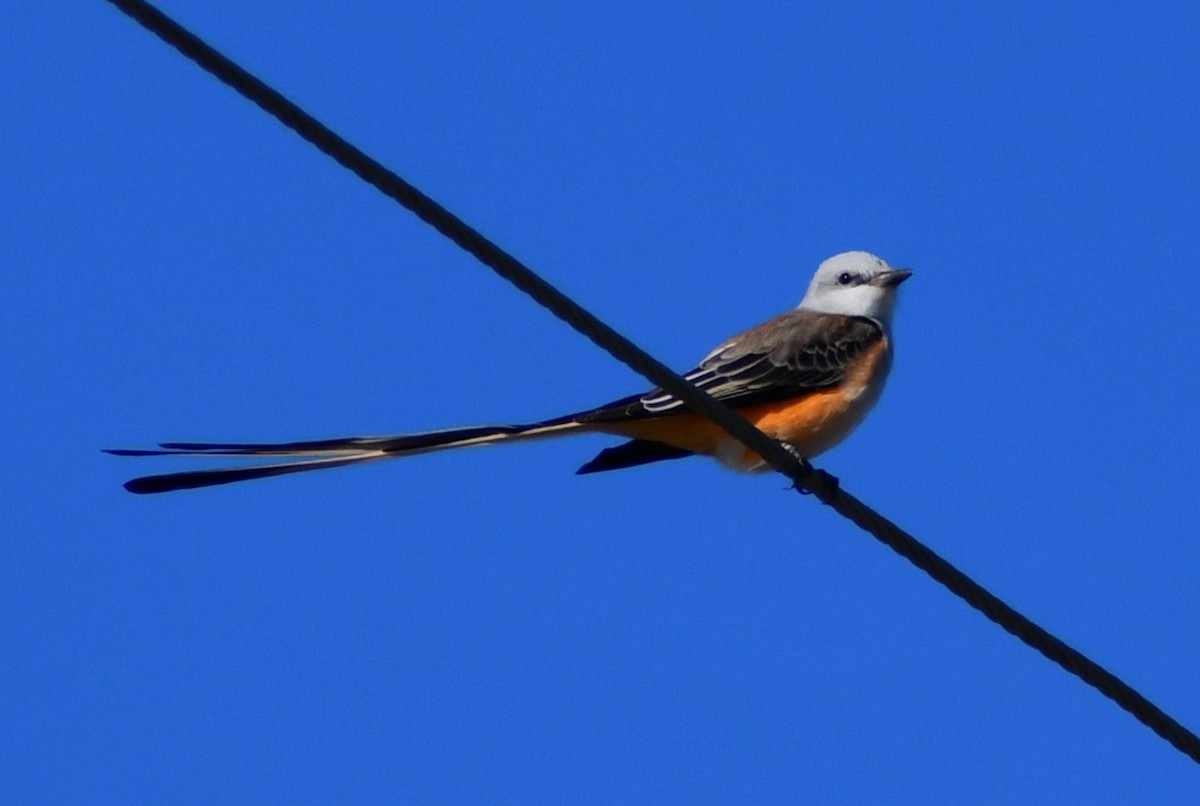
{"type": "Point", "coordinates": [788, 356]}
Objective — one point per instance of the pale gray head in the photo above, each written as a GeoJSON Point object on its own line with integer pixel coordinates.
{"type": "Point", "coordinates": [855, 284]}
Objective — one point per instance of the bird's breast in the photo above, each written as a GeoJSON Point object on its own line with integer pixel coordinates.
{"type": "Point", "coordinates": [816, 422]}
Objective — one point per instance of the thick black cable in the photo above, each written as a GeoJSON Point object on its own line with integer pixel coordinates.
{"type": "Point", "coordinates": [804, 476]}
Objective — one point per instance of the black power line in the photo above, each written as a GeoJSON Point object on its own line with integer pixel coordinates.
{"type": "Point", "coordinates": [803, 475]}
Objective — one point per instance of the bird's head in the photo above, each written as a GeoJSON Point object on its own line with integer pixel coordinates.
{"type": "Point", "coordinates": [855, 284]}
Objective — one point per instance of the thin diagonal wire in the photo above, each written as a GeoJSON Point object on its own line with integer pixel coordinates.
{"type": "Point", "coordinates": [803, 475]}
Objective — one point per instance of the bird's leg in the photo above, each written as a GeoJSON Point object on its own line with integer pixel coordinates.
{"type": "Point", "coordinates": [821, 484]}
{"type": "Point", "coordinates": [794, 451]}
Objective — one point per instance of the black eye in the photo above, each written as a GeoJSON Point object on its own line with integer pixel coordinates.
{"type": "Point", "coordinates": [845, 278]}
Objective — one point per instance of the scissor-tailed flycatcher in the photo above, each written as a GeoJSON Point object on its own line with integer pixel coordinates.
{"type": "Point", "coordinates": [806, 378]}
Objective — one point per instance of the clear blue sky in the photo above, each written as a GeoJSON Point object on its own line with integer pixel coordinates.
{"type": "Point", "coordinates": [484, 626]}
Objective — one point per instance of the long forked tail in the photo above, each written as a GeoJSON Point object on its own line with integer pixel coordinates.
{"type": "Point", "coordinates": [322, 454]}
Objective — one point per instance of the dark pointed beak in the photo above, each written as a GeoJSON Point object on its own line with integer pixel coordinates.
{"type": "Point", "coordinates": [891, 279]}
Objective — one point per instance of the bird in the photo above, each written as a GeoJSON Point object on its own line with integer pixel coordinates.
{"type": "Point", "coordinates": [807, 378]}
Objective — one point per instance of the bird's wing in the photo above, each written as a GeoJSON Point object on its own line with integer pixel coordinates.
{"type": "Point", "coordinates": [794, 354]}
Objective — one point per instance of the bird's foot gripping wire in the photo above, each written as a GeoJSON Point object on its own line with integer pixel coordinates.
{"type": "Point", "coordinates": [812, 481]}
{"type": "Point", "coordinates": [806, 468]}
